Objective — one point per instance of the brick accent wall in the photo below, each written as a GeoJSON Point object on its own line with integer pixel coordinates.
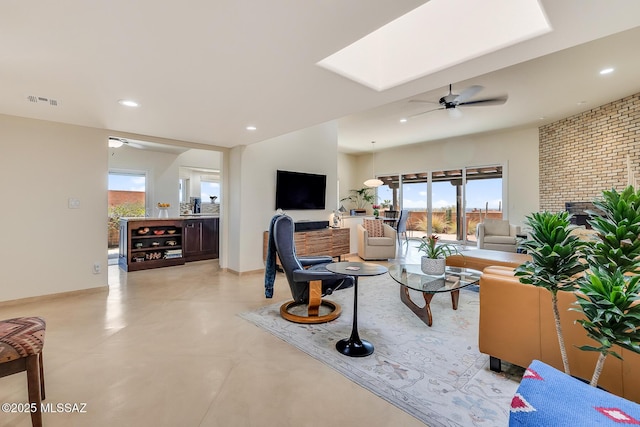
{"type": "Point", "coordinates": [582, 155]}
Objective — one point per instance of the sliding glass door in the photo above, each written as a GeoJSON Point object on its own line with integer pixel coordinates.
{"type": "Point", "coordinates": [483, 196]}
{"type": "Point", "coordinates": [449, 203]}
{"type": "Point", "coordinates": [446, 204]}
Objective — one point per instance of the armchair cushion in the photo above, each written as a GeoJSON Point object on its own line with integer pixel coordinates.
{"type": "Point", "coordinates": [381, 241]}
{"type": "Point", "coordinates": [505, 240]}
{"type": "Point", "coordinates": [307, 261]}
{"type": "Point", "coordinates": [496, 227]}
{"type": "Point", "coordinates": [374, 227]}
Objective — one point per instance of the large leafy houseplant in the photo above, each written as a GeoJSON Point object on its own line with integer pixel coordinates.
{"type": "Point", "coordinates": [361, 197]}
{"type": "Point", "coordinates": [555, 261]}
{"type": "Point", "coordinates": [608, 293]}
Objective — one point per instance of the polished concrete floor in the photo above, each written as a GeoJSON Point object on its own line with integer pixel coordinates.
{"type": "Point", "coordinates": [165, 347]}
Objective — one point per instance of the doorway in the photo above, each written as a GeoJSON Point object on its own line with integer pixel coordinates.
{"type": "Point", "coordinates": [127, 192]}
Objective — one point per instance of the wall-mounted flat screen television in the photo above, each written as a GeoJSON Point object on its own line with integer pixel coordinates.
{"type": "Point", "coordinates": [300, 191]}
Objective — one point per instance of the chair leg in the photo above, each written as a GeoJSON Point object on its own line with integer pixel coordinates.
{"type": "Point", "coordinates": [34, 388]}
{"type": "Point", "coordinates": [42, 394]}
{"type": "Point", "coordinates": [495, 364]}
{"type": "Point", "coordinates": [315, 297]}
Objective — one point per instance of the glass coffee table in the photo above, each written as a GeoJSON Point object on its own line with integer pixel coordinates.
{"type": "Point", "coordinates": [410, 276]}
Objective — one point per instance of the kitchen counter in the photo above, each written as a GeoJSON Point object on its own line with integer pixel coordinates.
{"type": "Point", "coordinates": [163, 242]}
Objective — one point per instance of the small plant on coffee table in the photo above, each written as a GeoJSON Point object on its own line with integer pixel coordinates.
{"type": "Point", "coordinates": [431, 248]}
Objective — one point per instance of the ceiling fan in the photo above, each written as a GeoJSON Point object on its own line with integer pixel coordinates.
{"type": "Point", "coordinates": [451, 102]}
{"type": "Point", "coordinates": [115, 142]}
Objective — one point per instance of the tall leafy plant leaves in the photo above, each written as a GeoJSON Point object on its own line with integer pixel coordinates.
{"type": "Point", "coordinates": [612, 315]}
{"type": "Point", "coordinates": [609, 293]}
{"type": "Point", "coordinates": [555, 261]}
{"type": "Point", "coordinates": [617, 222]}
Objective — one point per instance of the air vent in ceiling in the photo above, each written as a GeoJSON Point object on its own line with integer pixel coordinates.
{"type": "Point", "coordinates": [42, 100]}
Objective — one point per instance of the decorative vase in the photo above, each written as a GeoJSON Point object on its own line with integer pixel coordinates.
{"type": "Point", "coordinates": [163, 212]}
{"type": "Point", "coordinates": [433, 266]}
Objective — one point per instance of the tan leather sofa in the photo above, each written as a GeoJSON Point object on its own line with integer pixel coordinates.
{"type": "Point", "coordinates": [479, 259]}
{"type": "Point", "coordinates": [517, 325]}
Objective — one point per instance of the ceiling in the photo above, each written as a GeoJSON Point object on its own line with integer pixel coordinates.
{"type": "Point", "coordinates": [205, 70]}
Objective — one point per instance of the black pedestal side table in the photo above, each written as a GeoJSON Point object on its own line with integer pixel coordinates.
{"type": "Point", "coordinates": [354, 346]}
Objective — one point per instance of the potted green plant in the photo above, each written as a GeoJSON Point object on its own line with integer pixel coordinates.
{"type": "Point", "coordinates": [434, 259]}
{"type": "Point", "coordinates": [608, 294]}
{"type": "Point", "coordinates": [555, 261]}
{"type": "Point", "coordinates": [360, 197]}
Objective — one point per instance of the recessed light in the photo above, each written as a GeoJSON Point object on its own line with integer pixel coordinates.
{"type": "Point", "coordinates": [403, 120]}
{"type": "Point", "coordinates": [128, 103]}
{"type": "Point", "coordinates": [251, 127]}
{"type": "Point", "coordinates": [606, 71]}
{"type": "Point", "coordinates": [582, 102]}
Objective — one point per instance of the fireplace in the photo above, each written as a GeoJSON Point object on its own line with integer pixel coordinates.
{"type": "Point", "coordinates": [579, 212]}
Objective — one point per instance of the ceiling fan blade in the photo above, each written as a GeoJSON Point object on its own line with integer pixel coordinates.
{"type": "Point", "coordinates": [420, 101]}
{"type": "Point", "coordinates": [490, 101]}
{"type": "Point", "coordinates": [468, 93]}
{"type": "Point", "coordinates": [425, 112]}
{"type": "Point", "coordinates": [134, 145]}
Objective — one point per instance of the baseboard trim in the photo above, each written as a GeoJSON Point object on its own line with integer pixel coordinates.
{"type": "Point", "coordinates": [47, 297]}
{"type": "Point", "coordinates": [242, 273]}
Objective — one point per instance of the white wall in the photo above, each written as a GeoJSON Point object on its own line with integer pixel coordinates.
{"type": "Point", "coordinates": [312, 150]}
{"type": "Point", "coordinates": [348, 176]}
{"type": "Point", "coordinates": [49, 248]}
{"type": "Point", "coordinates": [159, 168]}
{"type": "Point", "coordinates": [53, 248]}
{"type": "Point", "coordinates": [162, 171]}
{"type": "Point", "coordinates": [516, 150]}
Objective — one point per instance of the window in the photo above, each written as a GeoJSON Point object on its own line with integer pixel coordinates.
{"type": "Point", "coordinates": [449, 203]}
{"type": "Point", "coordinates": [209, 189]}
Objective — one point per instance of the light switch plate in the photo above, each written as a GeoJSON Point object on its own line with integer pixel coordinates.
{"type": "Point", "coordinates": [74, 203]}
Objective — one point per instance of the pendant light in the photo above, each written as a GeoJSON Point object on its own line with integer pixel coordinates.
{"type": "Point", "coordinates": [373, 182]}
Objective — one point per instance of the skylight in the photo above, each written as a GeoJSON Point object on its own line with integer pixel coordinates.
{"type": "Point", "coordinates": [435, 36]}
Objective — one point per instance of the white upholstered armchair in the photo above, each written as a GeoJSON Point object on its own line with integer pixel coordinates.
{"type": "Point", "coordinates": [498, 234]}
{"type": "Point", "coordinates": [376, 240]}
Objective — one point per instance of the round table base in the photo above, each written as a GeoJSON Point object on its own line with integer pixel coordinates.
{"type": "Point", "coordinates": [352, 348]}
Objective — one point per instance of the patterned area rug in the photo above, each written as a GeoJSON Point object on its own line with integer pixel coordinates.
{"type": "Point", "coordinates": [434, 373]}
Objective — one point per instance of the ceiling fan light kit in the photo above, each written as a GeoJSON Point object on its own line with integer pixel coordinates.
{"type": "Point", "coordinates": [115, 142]}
